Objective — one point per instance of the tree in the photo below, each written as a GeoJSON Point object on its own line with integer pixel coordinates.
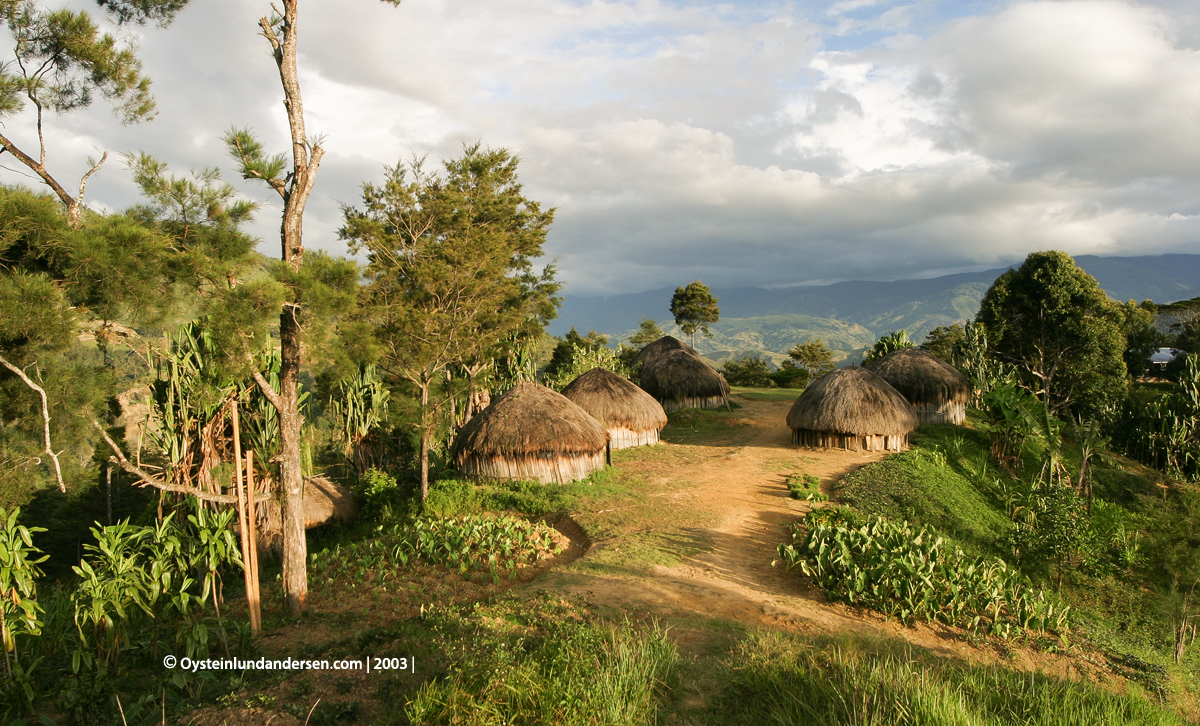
{"type": "Point", "coordinates": [942, 340]}
{"type": "Point", "coordinates": [293, 182]}
{"type": "Point", "coordinates": [749, 371]}
{"type": "Point", "coordinates": [1142, 339]}
{"type": "Point", "coordinates": [1051, 319]}
{"type": "Point", "coordinates": [60, 62]}
{"type": "Point", "coordinates": [694, 308]}
{"type": "Point", "coordinates": [450, 276]}
{"type": "Point", "coordinates": [812, 355]}
{"type": "Point", "coordinates": [892, 341]}
{"type": "Point", "coordinates": [647, 333]}
{"type": "Point", "coordinates": [791, 376]}
{"type": "Point", "coordinates": [564, 352]}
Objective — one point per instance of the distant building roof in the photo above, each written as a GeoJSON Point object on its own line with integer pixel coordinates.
{"type": "Point", "coordinates": [1163, 356]}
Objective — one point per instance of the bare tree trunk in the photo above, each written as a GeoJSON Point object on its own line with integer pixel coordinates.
{"type": "Point", "coordinates": [295, 191]}
{"type": "Point", "coordinates": [424, 438]}
{"type": "Point", "coordinates": [295, 545]}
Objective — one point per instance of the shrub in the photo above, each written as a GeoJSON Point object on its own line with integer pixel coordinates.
{"type": "Point", "coordinates": [789, 376]}
{"type": "Point", "coordinates": [750, 371]}
{"type": "Point", "coordinates": [806, 487]}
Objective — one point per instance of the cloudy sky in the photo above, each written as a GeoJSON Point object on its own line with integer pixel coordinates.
{"type": "Point", "coordinates": [742, 143]}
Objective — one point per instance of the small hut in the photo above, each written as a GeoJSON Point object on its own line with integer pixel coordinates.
{"type": "Point", "coordinates": [680, 379]}
{"type": "Point", "coordinates": [853, 409]}
{"type": "Point", "coordinates": [632, 416]}
{"type": "Point", "coordinates": [531, 432]}
{"type": "Point", "coordinates": [936, 389]}
{"type": "Point", "coordinates": [324, 501]}
{"type": "Point", "coordinates": [658, 349]}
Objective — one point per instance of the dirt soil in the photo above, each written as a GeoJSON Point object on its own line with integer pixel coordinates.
{"type": "Point", "coordinates": [692, 546]}
{"type": "Point", "coordinates": [737, 492]}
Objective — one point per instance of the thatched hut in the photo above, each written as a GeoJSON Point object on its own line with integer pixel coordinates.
{"type": "Point", "coordinates": [632, 416]}
{"type": "Point", "coordinates": [936, 389]}
{"type": "Point", "coordinates": [658, 349]}
{"type": "Point", "coordinates": [853, 409]}
{"type": "Point", "coordinates": [680, 379]}
{"type": "Point", "coordinates": [531, 432]}
{"type": "Point", "coordinates": [324, 501]}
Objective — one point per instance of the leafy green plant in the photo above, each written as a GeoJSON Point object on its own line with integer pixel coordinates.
{"type": "Point", "coordinates": [907, 574]}
{"type": "Point", "coordinates": [358, 410]}
{"type": "Point", "coordinates": [806, 487]}
{"type": "Point", "coordinates": [19, 608]}
{"type": "Point", "coordinates": [474, 542]}
{"type": "Point", "coordinates": [750, 371]}
{"type": "Point", "coordinates": [584, 358]}
{"type": "Point", "coordinates": [893, 341]}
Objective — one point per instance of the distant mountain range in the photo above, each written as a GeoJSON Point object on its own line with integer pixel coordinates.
{"type": "Point", "coordinates": [850, 316]}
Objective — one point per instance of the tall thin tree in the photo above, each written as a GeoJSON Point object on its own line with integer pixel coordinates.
{"type": "Point", "coordinates": [294, 187]}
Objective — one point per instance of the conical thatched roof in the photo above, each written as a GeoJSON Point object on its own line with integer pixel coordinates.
{"type": "Point", "coordinates": [324, 500]}
{"type": "Point", "coordinates": [921, 377]}
{"type": "Point", "coordinates": [659, 348]}
{"type": "Point", "coordinates": [530, 419]}
{"type": "Point", "coordinates": [852, 401]}
{"type": "Point", "coordinates": [616, 402]}
{"type": "Point", "coordinates": [681, 375]}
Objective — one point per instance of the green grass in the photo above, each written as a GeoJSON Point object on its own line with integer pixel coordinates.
{"type": "Point", "coordinates": [943, 481]}
{"type": "Point", "coordinates": [712, 426]}
{"type": "Point", "coordinates": [779, 678]}
{"type": "Point", "coordinates": [545, 665]}
{"type": "Point", "coordinates": [767, 394]}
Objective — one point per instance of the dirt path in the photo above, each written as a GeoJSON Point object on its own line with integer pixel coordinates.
{"type": "Point", "coordinates": [738, 492]}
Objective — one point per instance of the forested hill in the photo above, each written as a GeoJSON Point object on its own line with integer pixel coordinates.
{"type": "Point", "coordinates": [850, 315]}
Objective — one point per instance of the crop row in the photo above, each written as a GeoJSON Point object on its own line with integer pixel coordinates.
{"type": "Point", "coordinates": [889, 567]}
{"type": "Point", "coordinates": [470, 542]}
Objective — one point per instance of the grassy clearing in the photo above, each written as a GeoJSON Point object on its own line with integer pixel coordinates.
{"type": "Point", "coordinates": [1114, 579]}
{"type": "Point", "coordinates": [767, 394]}
{"type": "Point", "coordinates": [705, 426]}
{"type": "Point", "coordinates": [783, 679]}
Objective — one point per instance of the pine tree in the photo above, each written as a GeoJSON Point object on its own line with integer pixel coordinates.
{"type": "Point", "coordinates": [61, 61]}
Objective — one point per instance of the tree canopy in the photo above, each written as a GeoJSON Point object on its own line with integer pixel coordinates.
{"type": "Point", "coordinates": [1054, 322]}
{"type": "Point", "coordinates": [450, 273]}
{"type": "Point", "coordinates": [812, 355]}
{"type": "Point", "coordinates": [61, 62]}
{"type": "Point", "coordinates": [647, 333]}
{"type": "Point", "coordinates": [694, 308]}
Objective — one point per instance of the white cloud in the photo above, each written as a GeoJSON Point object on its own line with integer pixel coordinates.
{"type": "Point", "coordinates": [717, 141]}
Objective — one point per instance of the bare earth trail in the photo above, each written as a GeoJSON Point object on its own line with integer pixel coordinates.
{"type": "Point", "coordinates": [738, 496]}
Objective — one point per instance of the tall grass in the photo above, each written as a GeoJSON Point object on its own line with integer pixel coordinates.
{"type": "Point", "coordinates": [570, 673]}
{"type": "Point", "coordinates": [782, 679]}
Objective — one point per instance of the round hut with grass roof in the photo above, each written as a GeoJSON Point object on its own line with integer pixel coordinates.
{"type": "Point", "coordinates": [531, 432]}
{"type": "Point", "coordinates": [632, 416]}
{"type": "Point", "coordinates": [937, 390]}
{"type": "Point", "coordinates": [681, 379]}
{"type": "Point", "coordinates": [853, 409]}
{"type": "Point", "coordinates": [658, 349]}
